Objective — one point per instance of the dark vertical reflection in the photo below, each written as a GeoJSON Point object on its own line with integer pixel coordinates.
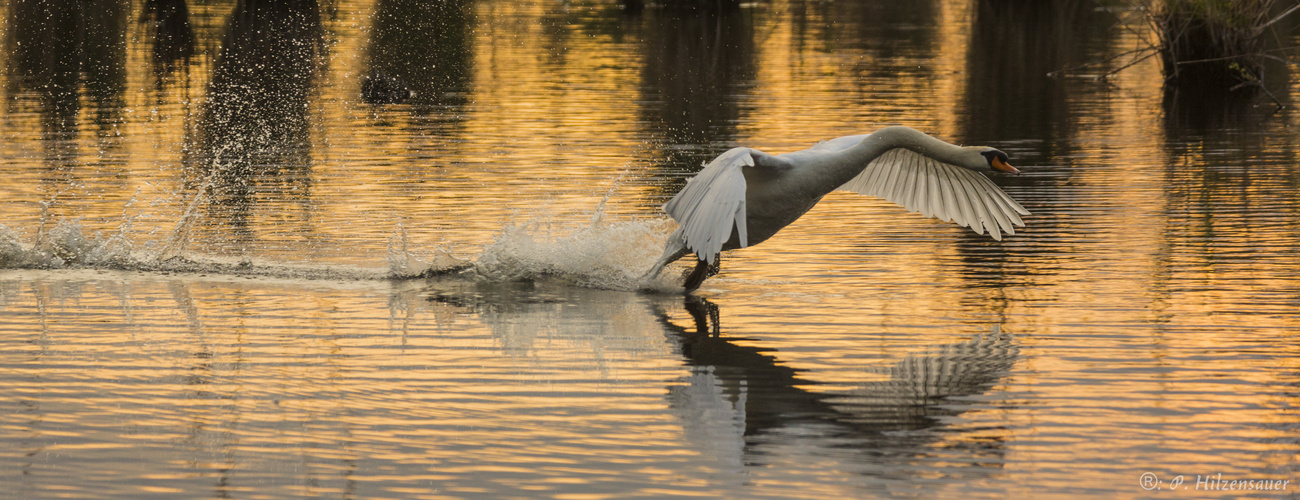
{"type": "Point", "coordinates": [1194, 107]}
{"type": "Point", "coordinates": [1227, 193]}
{"type": "Point", "coordinates": [168, 23]}
{"type": "Point", "coordinates": [420, 52]}
{"type": "Point", "coordinates": [1015, 44]}
{"type": "Point", "coordinates": [1012, 102]}
{"type": "Point", "coordinates": [45, 56]}
{"type": "Point", "coordinates": [715, 5]}
{"type": "Point", "coordinates": [255, 126]}
{"type": "Point", "coordinates": [889, 36]}
{"type": "Point", "coordinates": [1231, 168]}
{"type": "Point", "coordinates": [1232, 172]}
{"type": "Point", "coordinates": [887, 30]}
{"type": "Point", "coordinates": [57, 47]}
{"type": "Point", "coordinates": [698, 65]}
{"type": "Point", "coordinates": [1190, 107]}
{"type": "Point", "coordinates": [765, 395]}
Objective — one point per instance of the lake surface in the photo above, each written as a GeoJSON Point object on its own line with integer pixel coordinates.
{"type": "Point", "coordinates": [385, 249]}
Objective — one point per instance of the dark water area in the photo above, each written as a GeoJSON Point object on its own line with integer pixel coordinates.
{"type": "Point", "coordinates": [388, 248]}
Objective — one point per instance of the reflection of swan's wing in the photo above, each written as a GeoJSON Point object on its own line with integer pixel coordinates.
{"type": "Point", "coordinates": [955, 370]}
{"type": "Point", "coordinates": [937, 189]}
{"type": "Point", "coordinates": [948, 371]}
{"type": "Point", "coordinates": [712, 203]}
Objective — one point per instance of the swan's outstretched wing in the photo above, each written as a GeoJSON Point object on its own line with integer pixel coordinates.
{"type": "Point", "coordinates": [713, 202]}
{"type": "Point", "coordinates": [937, 189]}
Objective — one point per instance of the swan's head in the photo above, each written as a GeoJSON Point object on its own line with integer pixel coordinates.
{"type": "Point", "coordinates": [993, 159]}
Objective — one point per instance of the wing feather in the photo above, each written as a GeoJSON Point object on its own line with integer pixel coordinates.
{"type": "Point", "coordinates": [937, 189]}
{"type": "Point", "coordinates": [886, 171]}
{"type": "Point", "coordinates": [981, 220]}
{"type": "Point", "coordinates": [995, 206]}
{"type": "Point", "coordinates": [1011, 209]}
{"type": "Point", "coordinates": [968, 217]}
{"type": "Point", "coordinates": [937, 192]}
{"type": "Point", "coordinates": [986, 206]}
{"type": "Point", "coordinates": [879, 178]}
{"type": "Point", "coordinates": [915, 186]}
{"type": "Point", "coordinates": [891, 176]}
{"type": "Point", "coordinates": [896, 172]}
{"type": "Point", "coordinates": [906, 184]}
{"type": "Point", "coordinates": [1015, 207]}
{"type": "Point", "coordinates": [923, 191]}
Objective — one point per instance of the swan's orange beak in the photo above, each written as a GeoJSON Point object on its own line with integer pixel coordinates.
{"type": "Point", "coordinates": [1004, 166]}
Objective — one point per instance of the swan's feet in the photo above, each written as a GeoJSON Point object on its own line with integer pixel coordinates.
{"type": "Point", "coordinates": [703, 270]}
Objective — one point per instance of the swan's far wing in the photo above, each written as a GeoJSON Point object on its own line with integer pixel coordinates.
{"type": "Point", "coordinates": [937, 189]}
{"type": "Point", "coordinates": [712, 203]}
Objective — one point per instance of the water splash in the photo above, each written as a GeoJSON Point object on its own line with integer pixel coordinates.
{"type": "Point", "coordinates": [591, 250]}
{"type": "Point", "coordinates": [598, 214]}
{"type": "Point", "coordinates": [595, 252]}
{"type": "Point", "coordinates": [64, 245]}
{"type": "Point", "coordinates": [600, 254]}
{"type": "Point", "coordinates": [67, 246]}
{"type": "Point", "coordinates": [405, 263]}
{"type": "Point", "coordinates": [611, 255]}
{"type": "Point", "coordinates": [179, 238]}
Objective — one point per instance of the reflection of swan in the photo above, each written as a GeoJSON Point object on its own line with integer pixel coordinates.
{"type": "Point", "coordinates": [920, 384]}
{"type": "Point", "coordinates": [752, 387]}
{"type": "Point", "coordinates": [745, 196]}
{"type": "Point", "coordinates": [522, 312]}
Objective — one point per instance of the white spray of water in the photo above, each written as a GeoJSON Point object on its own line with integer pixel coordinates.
{"type": "Point", "coordinates": [66, 244]}
{"type": "Point", "coordinates": [596, 251]}
{"type": "Point", "coordinates": [605, 255]}
{"type": "Point", "coordinates": [407, 263]}
{"type": "Point", "coordinates": [599, 254]}
{"type": "Point", "coordinates": [174, 246]}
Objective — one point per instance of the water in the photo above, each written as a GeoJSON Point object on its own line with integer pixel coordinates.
{"type": "Point", "coordinates": [384, 249]}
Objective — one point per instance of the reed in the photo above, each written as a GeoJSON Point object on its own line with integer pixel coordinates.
{"type": "Point", "coordinates": [1214, 41]}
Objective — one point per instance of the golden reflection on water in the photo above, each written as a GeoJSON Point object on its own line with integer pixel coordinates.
{"type": "Point", "coordinates": [1148, 307]}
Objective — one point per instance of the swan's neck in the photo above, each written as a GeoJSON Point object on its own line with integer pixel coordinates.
{"type": "Point", "coordinates": [885, 139]}
{"type": "Point", "coordinates": [838, 166]}
{"type": "Point", "coordinates": [827, 166]}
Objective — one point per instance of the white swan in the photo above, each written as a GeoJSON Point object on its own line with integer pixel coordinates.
{"type": "Point", "coordinates": [744, 196]}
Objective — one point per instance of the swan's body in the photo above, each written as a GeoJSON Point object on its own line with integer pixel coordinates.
{"type": "Point", "coordinates": [745, 196]}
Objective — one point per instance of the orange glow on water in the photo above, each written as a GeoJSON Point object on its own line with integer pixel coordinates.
{"type": "Point", "coordinates": [1143, 320]}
